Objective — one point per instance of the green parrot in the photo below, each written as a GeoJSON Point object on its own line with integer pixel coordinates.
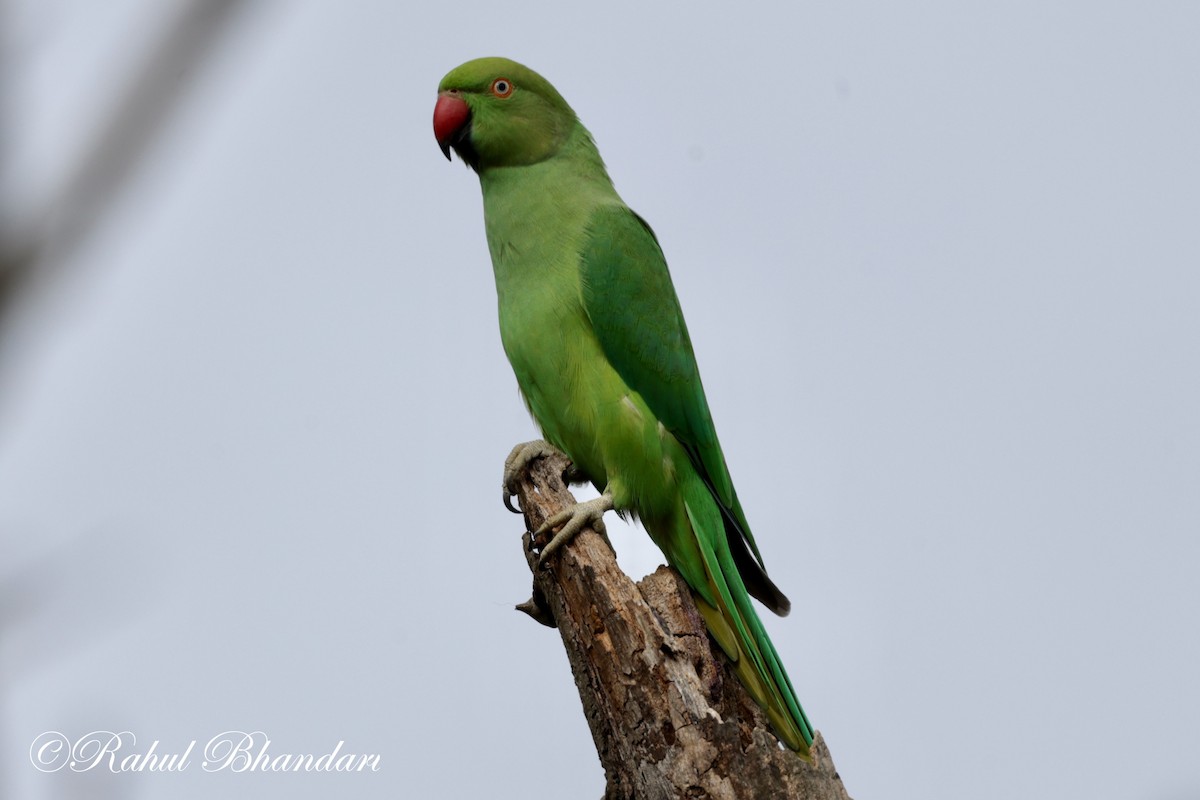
{"type": "Point", "coordinates": [594, 332]}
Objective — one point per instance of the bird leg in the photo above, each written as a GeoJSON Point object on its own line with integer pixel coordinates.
{"type": "Point", "coordinates": [520, 457]}
{"type": "Point", "coordinates": [573, 519]}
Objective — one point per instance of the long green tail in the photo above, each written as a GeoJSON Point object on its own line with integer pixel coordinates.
{"type": "Point", "coordinates": [733, 622]}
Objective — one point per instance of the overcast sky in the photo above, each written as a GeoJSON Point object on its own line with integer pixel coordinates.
{"type": "Point", "coordinates": [941, 268]}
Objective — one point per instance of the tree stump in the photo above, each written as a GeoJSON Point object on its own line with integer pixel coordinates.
{"type": "Point", "coordinates": [668, 716]}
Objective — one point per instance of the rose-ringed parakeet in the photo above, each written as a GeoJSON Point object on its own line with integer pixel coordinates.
{"type": "Point", "coordinates": [594, 332]}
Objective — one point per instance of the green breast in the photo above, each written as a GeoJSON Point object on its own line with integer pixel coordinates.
{"type": "Point", "coordinates": [536, 219]}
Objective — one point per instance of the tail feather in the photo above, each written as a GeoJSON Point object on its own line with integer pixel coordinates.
{"type": "Point", "coordinates": [730, 616]}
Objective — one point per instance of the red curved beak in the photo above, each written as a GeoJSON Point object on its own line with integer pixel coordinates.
{"type": "Point", "coordinates": [450, 116]}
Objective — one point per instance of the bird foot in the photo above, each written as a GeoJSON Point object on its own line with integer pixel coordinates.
{"type": "Point", "coordinates": [520, 457]}
{"type": "Point", "coordinates": [515, 464]}
{"type": "Point", "coordinates": [573, 519]}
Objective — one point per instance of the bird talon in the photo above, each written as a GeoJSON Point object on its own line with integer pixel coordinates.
{"type": "Point", "coordinates": [573, 520]}
{"type": "Point", "coordinates": [515, 465]}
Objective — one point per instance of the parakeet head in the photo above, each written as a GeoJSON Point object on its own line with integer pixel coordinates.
{"type": "Point", "coordinates": [497, 113]}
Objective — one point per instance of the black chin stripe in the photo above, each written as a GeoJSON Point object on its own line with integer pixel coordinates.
{"type": "Point", "coordinates": [465, 149]}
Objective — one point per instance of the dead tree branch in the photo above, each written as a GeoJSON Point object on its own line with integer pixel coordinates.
{"type": "Point", "coordinates": [667, 714]}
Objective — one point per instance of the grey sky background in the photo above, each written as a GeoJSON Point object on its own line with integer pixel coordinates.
{"type": "Point", "coordinates": [941, 267]}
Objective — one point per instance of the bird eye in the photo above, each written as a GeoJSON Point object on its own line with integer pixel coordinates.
{"type": "Point", "coordinates": [502, 87]}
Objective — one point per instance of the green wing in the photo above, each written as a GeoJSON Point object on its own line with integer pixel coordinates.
{"type": "Point", "coordinates": [631, 303]}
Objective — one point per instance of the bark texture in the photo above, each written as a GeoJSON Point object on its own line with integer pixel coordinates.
{"type": "Point", "coordinates": [668, 716]}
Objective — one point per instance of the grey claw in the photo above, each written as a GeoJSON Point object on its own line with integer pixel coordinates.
{"type": "Point", "coordinates": [517, 460]}
{"type": "Point", "coordinates": [573, 520]}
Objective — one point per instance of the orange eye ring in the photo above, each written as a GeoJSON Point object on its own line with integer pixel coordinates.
{"type": "Point", "coordinates": [502, 87]}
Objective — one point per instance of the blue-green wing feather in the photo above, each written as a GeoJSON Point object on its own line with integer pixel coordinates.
{"type": "Point", "coordinates": [633, 309]}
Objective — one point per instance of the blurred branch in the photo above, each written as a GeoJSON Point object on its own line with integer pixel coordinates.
{"type": "Point", "coordinates": [667, 714]}
{"type": "Point", "coordinates": [49, 236]}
